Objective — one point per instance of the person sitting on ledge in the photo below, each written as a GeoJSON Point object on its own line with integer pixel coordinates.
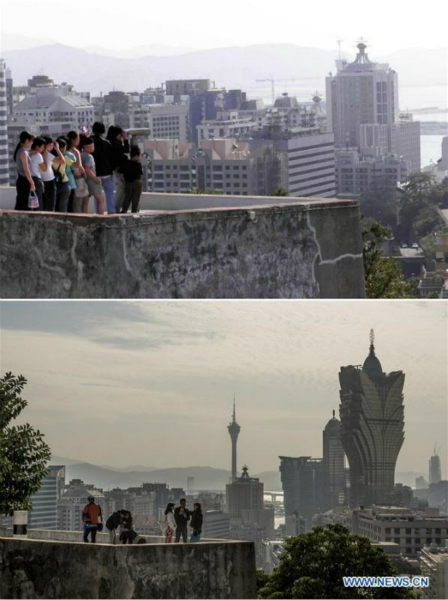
{"type": "Point", "coordinates": [113, 523]}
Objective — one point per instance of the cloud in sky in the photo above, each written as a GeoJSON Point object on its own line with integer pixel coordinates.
{"type": "Point", "coordinates": [152, 382]}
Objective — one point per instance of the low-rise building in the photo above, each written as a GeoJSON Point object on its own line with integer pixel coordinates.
{"type": "Point", "coordinates": [357, 174]}
{"type": "Point", "coordinates": [434, 565]}
{"type": "Point", "coordinates": [409, 529]}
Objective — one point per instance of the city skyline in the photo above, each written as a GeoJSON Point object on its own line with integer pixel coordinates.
{"type": "Point", "coordinates": [167, 373]}
{"type": "Point", "coordinates": [158, 26]}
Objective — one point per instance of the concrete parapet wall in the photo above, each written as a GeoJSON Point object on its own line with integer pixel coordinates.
{"type": "Point", "coordinates": [294, 250]}
{"type": "Point", "coordinates": [56, 569]}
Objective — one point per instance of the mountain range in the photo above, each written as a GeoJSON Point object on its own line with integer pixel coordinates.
{"type": "Point", "coordinates": [205, 478]}
{"type": "Point", "coordinates": [233, 67]}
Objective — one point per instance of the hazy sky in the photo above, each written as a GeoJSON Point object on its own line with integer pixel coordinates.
{"type": "Point", "coordinates": [124, 383]}
{"type": "Point", "coordinates": [115, 24]}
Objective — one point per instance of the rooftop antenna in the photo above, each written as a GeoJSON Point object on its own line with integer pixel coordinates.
{"type": "Point", "coordinates": [372, 340]}
{"type": "Point", "coordinates": [339, 46]}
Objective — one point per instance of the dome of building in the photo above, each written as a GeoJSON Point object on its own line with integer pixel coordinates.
{"type": "Point", "coordinates": [333, 424]}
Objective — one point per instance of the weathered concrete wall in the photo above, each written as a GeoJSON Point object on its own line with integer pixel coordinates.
{"type": "Point", "coordinates": [48, 569]}
{"type": "Point", "coordinates": [300, 250]}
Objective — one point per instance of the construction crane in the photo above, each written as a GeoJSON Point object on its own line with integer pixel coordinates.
{"type": "Point", "coordinates": [273, 82]}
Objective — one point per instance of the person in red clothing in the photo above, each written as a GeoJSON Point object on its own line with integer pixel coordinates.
{"type": "Point", "coordinates": [91, 516]}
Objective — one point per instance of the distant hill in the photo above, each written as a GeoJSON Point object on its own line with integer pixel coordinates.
{"type": "Point", "coordinates": [271, 480]}
{"type": "Point", "coordinates": [229, 67]}
{"type": "Point", "coordinates": [108, 478]}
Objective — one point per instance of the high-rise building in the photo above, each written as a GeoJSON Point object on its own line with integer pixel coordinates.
{"type": "Point", "coordinates": [244, 493]}
{"type": "Point", "coordinates": [333, 465]}
{"type": "Point", "coordinates": [4, 153]}
{"type": "Point", "coordinates": [249, 520]}
{"type": "Point", "coordinates": [435, 474]}
{"type": "Point", "coordinates": [363, 113]}
{"type": "Point", "coordinates": [44, 512]}
{"type": "Point", "coordinates": [361, 92]}
{"type": "Point", "coordinates": [234, 431]}
{"type": "Point", "coordinates": [372, 428]}
{"type": "Point", "coordinates": [303, 486]}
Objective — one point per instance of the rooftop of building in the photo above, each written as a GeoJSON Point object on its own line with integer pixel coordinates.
{"type": "Point", "coordinates": [362, 62]}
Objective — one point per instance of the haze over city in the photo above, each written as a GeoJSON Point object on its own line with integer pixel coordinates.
{"type": "Point", "coordinates": [123, 383]}
{"type": "Point", "coordinates": [199, 25]}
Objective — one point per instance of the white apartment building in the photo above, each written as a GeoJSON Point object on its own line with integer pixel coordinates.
{"type": "Point", "coordinates": [310, 162]}
{"type": "Point", "coordinates": [434, 564]}
{"type": "Point", "coordinates": [48, 110]}
{"type": "Point", "coordinates": [228, 124]}
{"type": "Point", "coordinates": [166, 121]}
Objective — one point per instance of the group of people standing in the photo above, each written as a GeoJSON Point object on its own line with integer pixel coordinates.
{"type": "Point", "coordinates": [177, 521]}
{"type": "Point", "coordinates": [62, 175]}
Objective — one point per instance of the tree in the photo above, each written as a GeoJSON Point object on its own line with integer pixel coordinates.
{"type": "Point", "coordinates": [280, 191]}
{"type": "Point", "coordinates": [314, 564]}
{"type": "Point", "coordinates": [383, 277]}
{"type": "Point", "coordinates": [23, 453]}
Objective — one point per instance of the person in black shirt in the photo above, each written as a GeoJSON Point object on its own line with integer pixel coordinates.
{"type": "Point", "coordinates": [118, 138]}
{"type": "Point", "coordinates": [103, 156]}
{"type": "Point", "coordinates": [132, 173]}
{"type": "Point", "coordinates": [196, 522]}
{"type": "Point", "coordinates": [182, 516]}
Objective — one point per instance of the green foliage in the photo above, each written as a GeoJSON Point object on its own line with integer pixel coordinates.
{"type": "Point", "coordinates": [314, 564]}
{"type": "Point", "coordinates": [23, 453]}
{"type": "Point", "coordinates": [383, 277]}
{"type": "Point", "coordinates": [196, 190]}
{"type": "Point", "coordinates": [381, 205]}
{"type": "Point", "coordinates": [280, 191]}
{"type": "Point", "coordinates": [421, 198]}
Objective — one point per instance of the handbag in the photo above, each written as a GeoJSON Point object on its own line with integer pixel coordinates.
{"type": "Point", "coordinates": [33, 200]}
{"type": "Point", "coordinates": [58, 176]}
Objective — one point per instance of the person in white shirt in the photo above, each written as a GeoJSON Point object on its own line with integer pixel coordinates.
{"type": "Point", "coordinates": [170, 523]}
{"type": "Point", "coordinates": [37, 167]}
{"type": "Point", "coordinates": [48, 176]}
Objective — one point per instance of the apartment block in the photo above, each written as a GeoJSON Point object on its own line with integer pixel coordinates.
{"type": "Point", "coordinates": [165, 121]}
